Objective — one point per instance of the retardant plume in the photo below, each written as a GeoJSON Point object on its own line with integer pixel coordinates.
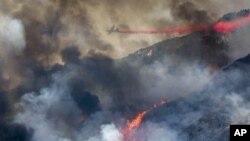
{"type": "Point", "coordinates": [220, 26]}
{"type": "Point", "coordinates": [169, 31]}
{"type": "Point", "coordinates": [229, 26]}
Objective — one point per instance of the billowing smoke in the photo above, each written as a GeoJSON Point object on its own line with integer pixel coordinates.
{"type": "Point", "coordinates": [12, 35]}
{"type": "Point", "coordinates": [60, 81]}
{"type": "Point", "coordinates": [12, 40]}
{"type": "Point", "coordinates": [57, 24]}
{"type": "Point", "coordinates": [110, 133]}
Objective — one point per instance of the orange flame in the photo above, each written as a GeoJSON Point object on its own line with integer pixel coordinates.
{"type": "Point", "coordinates": [129, 131]}
{"type": "Point", "coordinates": [137, 121]}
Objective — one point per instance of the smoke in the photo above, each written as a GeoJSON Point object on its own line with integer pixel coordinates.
{"type": "Point", "coordinates": [12, 35]}
{"type": "Point", "coordinates": [160, 132]}
{"type": "Point", "coordinates": [224, 101]}
{"type": "Point", "coordinates": [239, 109]}
{"type": "Point", "coordinates": [88, 93]}
{"type": "Point", "coordinates": [190, 11]}
{"type": "Point", "coordinates": [12, 40]}
{"type": "Point", "coordinates": [58, 24]}
{"type": "Point", "coordinates": [110, 133]}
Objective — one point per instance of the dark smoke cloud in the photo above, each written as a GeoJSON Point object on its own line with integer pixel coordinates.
{"type": "Point", "coordinates": [71, 55]}
{"type": "Point", "coordinates": [86, 101]}
{"type": "Point", "coordinates": [10, 131]}
{"type": "Point", "coordinates": [14, 132]}
{"type": "Point", "coordinates": [101, 72]}
{"type": "Point", "coordinates": [190, 12]}
{"type": "Point", "coordinates": [4, 104]}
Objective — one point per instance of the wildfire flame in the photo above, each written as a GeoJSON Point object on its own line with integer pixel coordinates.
{"type": "Point", "coordinates": [135, 123]}
{"type": "Point", "coordinates": [129, 131]}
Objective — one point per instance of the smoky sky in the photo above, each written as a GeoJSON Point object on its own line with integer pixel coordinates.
{"type": "Point", "coordinates": [57, 24]}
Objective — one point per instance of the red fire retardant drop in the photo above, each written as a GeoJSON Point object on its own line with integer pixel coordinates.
{"type": "Point", "coordinates": [221, 26]}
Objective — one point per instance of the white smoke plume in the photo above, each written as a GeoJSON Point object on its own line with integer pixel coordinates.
{"type": "Point", "coordinates": [12, 44]}
{"type": "Point", "coordinates": [110, 133]}
{"type": "Point", "coordinates": [12, 36]}
{"type": "Point", "coordinates": [47, 113]}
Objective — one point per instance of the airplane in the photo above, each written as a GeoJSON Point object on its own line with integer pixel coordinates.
{"type": "Point", "coordinates": [112, 30]}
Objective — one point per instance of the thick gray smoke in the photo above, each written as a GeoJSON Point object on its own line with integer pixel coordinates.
{"type": "Point", "coordinates": [59, 81]}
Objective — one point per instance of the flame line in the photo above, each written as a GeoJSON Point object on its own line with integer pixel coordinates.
{"type": "Point", "coordinates": [129, 131]}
